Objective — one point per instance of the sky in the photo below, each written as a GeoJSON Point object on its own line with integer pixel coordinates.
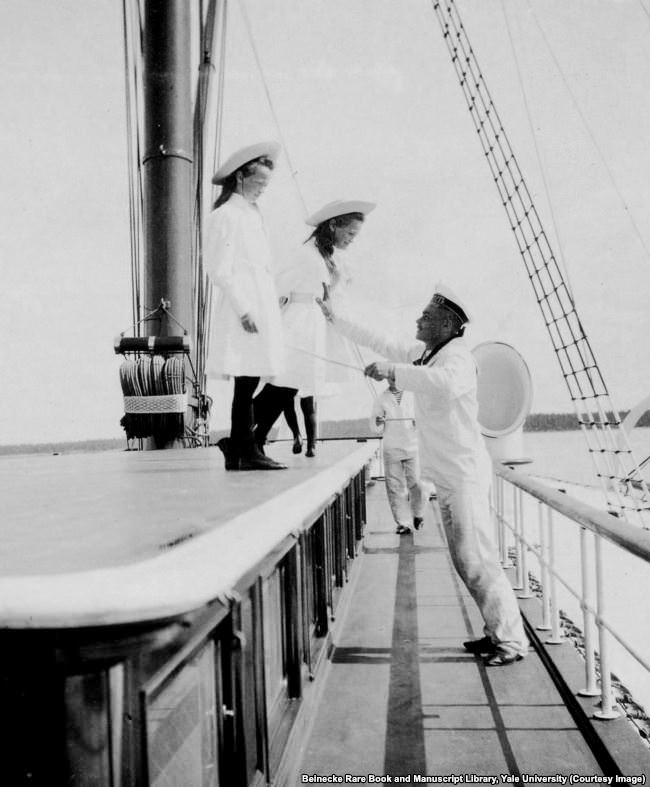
{"type": "Point", "coordinates": [368, 106]}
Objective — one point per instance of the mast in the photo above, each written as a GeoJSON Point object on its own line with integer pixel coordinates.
{"type": "Point", "coordinates": [167, 167]}
{"type": "Point", "coordinates": [167, 163]}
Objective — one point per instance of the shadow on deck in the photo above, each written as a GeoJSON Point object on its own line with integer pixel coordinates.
{"type": "Point", "coordinates": [402, 698]}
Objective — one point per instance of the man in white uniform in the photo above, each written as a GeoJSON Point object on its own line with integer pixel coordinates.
{"type": "Point", "coordinates": [392, 416]}
{"type": "Point", "coordinates": [440, 370]}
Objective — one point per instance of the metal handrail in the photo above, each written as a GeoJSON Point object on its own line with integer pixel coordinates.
{"type": "Point", "coordinates": [632, 538]}
{"type": "Point", "coordinates": [603, 526]}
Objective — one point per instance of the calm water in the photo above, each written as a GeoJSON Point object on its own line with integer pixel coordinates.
{"type": "Point", "coordinates": [564, 456]}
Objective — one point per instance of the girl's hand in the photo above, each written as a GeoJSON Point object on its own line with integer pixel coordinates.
{"type": "Point", "coordinates": [248, 324]}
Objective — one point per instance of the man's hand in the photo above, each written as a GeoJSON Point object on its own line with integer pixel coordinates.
{"type": "Point", "coordinates": [247, 323]}
{"type": "Point", "coordinates": [326, 309]}
{"type": "Point", "coordinates": [380, 370]}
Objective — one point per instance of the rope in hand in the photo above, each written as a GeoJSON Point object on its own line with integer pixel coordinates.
{"type": "Point", "coordinates": [327, 360]}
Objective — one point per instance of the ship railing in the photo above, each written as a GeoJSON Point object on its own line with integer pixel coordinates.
{"type": "Point", "coordinates": [512, 494]}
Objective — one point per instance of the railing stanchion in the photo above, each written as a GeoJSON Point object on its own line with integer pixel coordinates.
{"type": "Point", "coordinates": [607, 707]}
{"type": "Point", "coordinates": [556, 636]}
{"type": "Point", "coordinates": [545, 625]}
{"type": "Point", "coordinates": [516, 521]}
{"type": "Point", "coordinates": [507, 563]}
{"type": "Point", "coordinates": [525, 581]}
{"type": "Point", "coordinates": [591, 689]}
{"type": "Point", "coordinates": [500, 523]}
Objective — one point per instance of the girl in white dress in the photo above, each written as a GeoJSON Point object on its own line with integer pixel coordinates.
{"type": "Point", "coordinates": [247, 338]}
{"type": "Point", "coordinates": [318, 273]}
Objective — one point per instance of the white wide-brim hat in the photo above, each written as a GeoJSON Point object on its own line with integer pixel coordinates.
{"type": "Point", "coordinates": [445, 296]}
{"type": "Point", "coordinates": [340, 207]}
{"type": "Point", "coordinates": [270, 149]}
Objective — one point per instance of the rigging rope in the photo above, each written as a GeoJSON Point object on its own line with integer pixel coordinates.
{"type": "Point", "coordinates": [131, 12]}
{"type": "Point", "coordinates": [200, 287]}
{"type": "Point", "coordinates": [258, 61]}
{"type": "Point", "coordinates": [644, 9]}
{"type": "Point", "coordinates": [592, 137]}
{"type": "Point", "coordinates": [607, 443]}
{"type": "Point", "coordinates": [538, 155]}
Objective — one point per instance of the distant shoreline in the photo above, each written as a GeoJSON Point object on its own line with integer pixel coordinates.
{"type": "Point", "coordinates": [358, 427]}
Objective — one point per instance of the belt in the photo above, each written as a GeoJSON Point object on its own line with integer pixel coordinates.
{"type": "Point", "coordinates": [300, 297]}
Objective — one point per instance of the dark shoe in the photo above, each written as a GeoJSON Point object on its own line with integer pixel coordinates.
{"type": "Point", "coordinates": [297, 445]}
{"type": "Point", "coordinates": [483, 645]}
{"type": "Point", "coordinates": [502, 659]}
{"type": "Point", "coordinates": [311, 449]}
{"type": "Point", "coordinates": [417, 522]}
{"type": "Point", "coordinates": [232, 460]}
{"type": "Point", "coordinates": [263, 463]}
{"type": "Point", "coordinates": [402, 530]}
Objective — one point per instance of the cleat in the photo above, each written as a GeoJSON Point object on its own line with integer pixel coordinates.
{"type": "Point", "coordinates": [483, 645]}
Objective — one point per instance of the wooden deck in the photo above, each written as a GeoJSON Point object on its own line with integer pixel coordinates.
{"type": "Point", "coordinates": [118, 537]}
{"type": "Point", "coordinates": [402, 697]}
{"type": "Point", "coordinates": [97, 542]}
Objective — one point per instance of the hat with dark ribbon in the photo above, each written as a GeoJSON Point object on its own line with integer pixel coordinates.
{"type": "Point", "coordinates": [445, 297]}
{"type": "Point", "coordinates": [269, 149]}
{"type": "Point", "coordinates": [340, 207]}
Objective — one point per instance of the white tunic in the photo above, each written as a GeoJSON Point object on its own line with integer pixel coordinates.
{"type": "Point", "coordinates": [453, 455]}
{"type": "Point", "coordinates": [452, 448]}
{"type": "Point", "coordinates": [307, 333]}
{"type": "Point", "coordinates": [237, 259]}
{"type": "Point", "coordinates": [399, 435]}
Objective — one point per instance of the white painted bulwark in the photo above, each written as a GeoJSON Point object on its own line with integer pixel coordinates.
{"type": "Point", "coordinates": [89, 538]}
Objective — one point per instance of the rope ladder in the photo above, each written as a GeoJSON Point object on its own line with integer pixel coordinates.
{"type": "Point", "coordinates": [616, 468]}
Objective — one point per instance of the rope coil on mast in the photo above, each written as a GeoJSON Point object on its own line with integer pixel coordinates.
{"type": "Point", "coordinates": [153, 383]}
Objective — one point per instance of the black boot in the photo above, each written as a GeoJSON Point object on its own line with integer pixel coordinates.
{"type": "Point", "coordinates": [229, 452]}
{"type": "Point", "coordinates": [253, 459]}
{"type": "Point", "coordinates": [309, 414]}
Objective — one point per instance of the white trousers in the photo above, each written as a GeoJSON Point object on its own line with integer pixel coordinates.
{"type": "Point", "coordinates": [405, 496]}
{"type": "Point", "coordinates": [465, 512]}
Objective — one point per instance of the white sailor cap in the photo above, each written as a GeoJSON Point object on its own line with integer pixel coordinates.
{"type": "Point", "coordinates": [340, 207]}
{"type": "Point", "coordinates": [446, 297]}
{"type": "Point", "coordinates": [270, 149]}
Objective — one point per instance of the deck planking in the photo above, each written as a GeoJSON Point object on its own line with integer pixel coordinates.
{"type": "Point", "coordinates": [118, 537]}
{"type": "Point", "coordinates": [403, 698]}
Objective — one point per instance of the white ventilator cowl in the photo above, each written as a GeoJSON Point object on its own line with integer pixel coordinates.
{"type": "Point", "coordinates": [505, 394]}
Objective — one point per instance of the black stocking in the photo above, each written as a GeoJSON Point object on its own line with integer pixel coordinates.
{"type": "Point", "coordinates": [308, 407]}
{"type": "Point", "coordinates": [241, 420]}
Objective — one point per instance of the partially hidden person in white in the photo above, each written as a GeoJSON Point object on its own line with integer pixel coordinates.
{"type": "Point", "coordinates": [247, 340]}
{"type": "Point", "coordinates": [310, 340]}
{"type": "Point", "coordinates": [392, 416]}
{"type": "Point", "coordinates": [440, 370]}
